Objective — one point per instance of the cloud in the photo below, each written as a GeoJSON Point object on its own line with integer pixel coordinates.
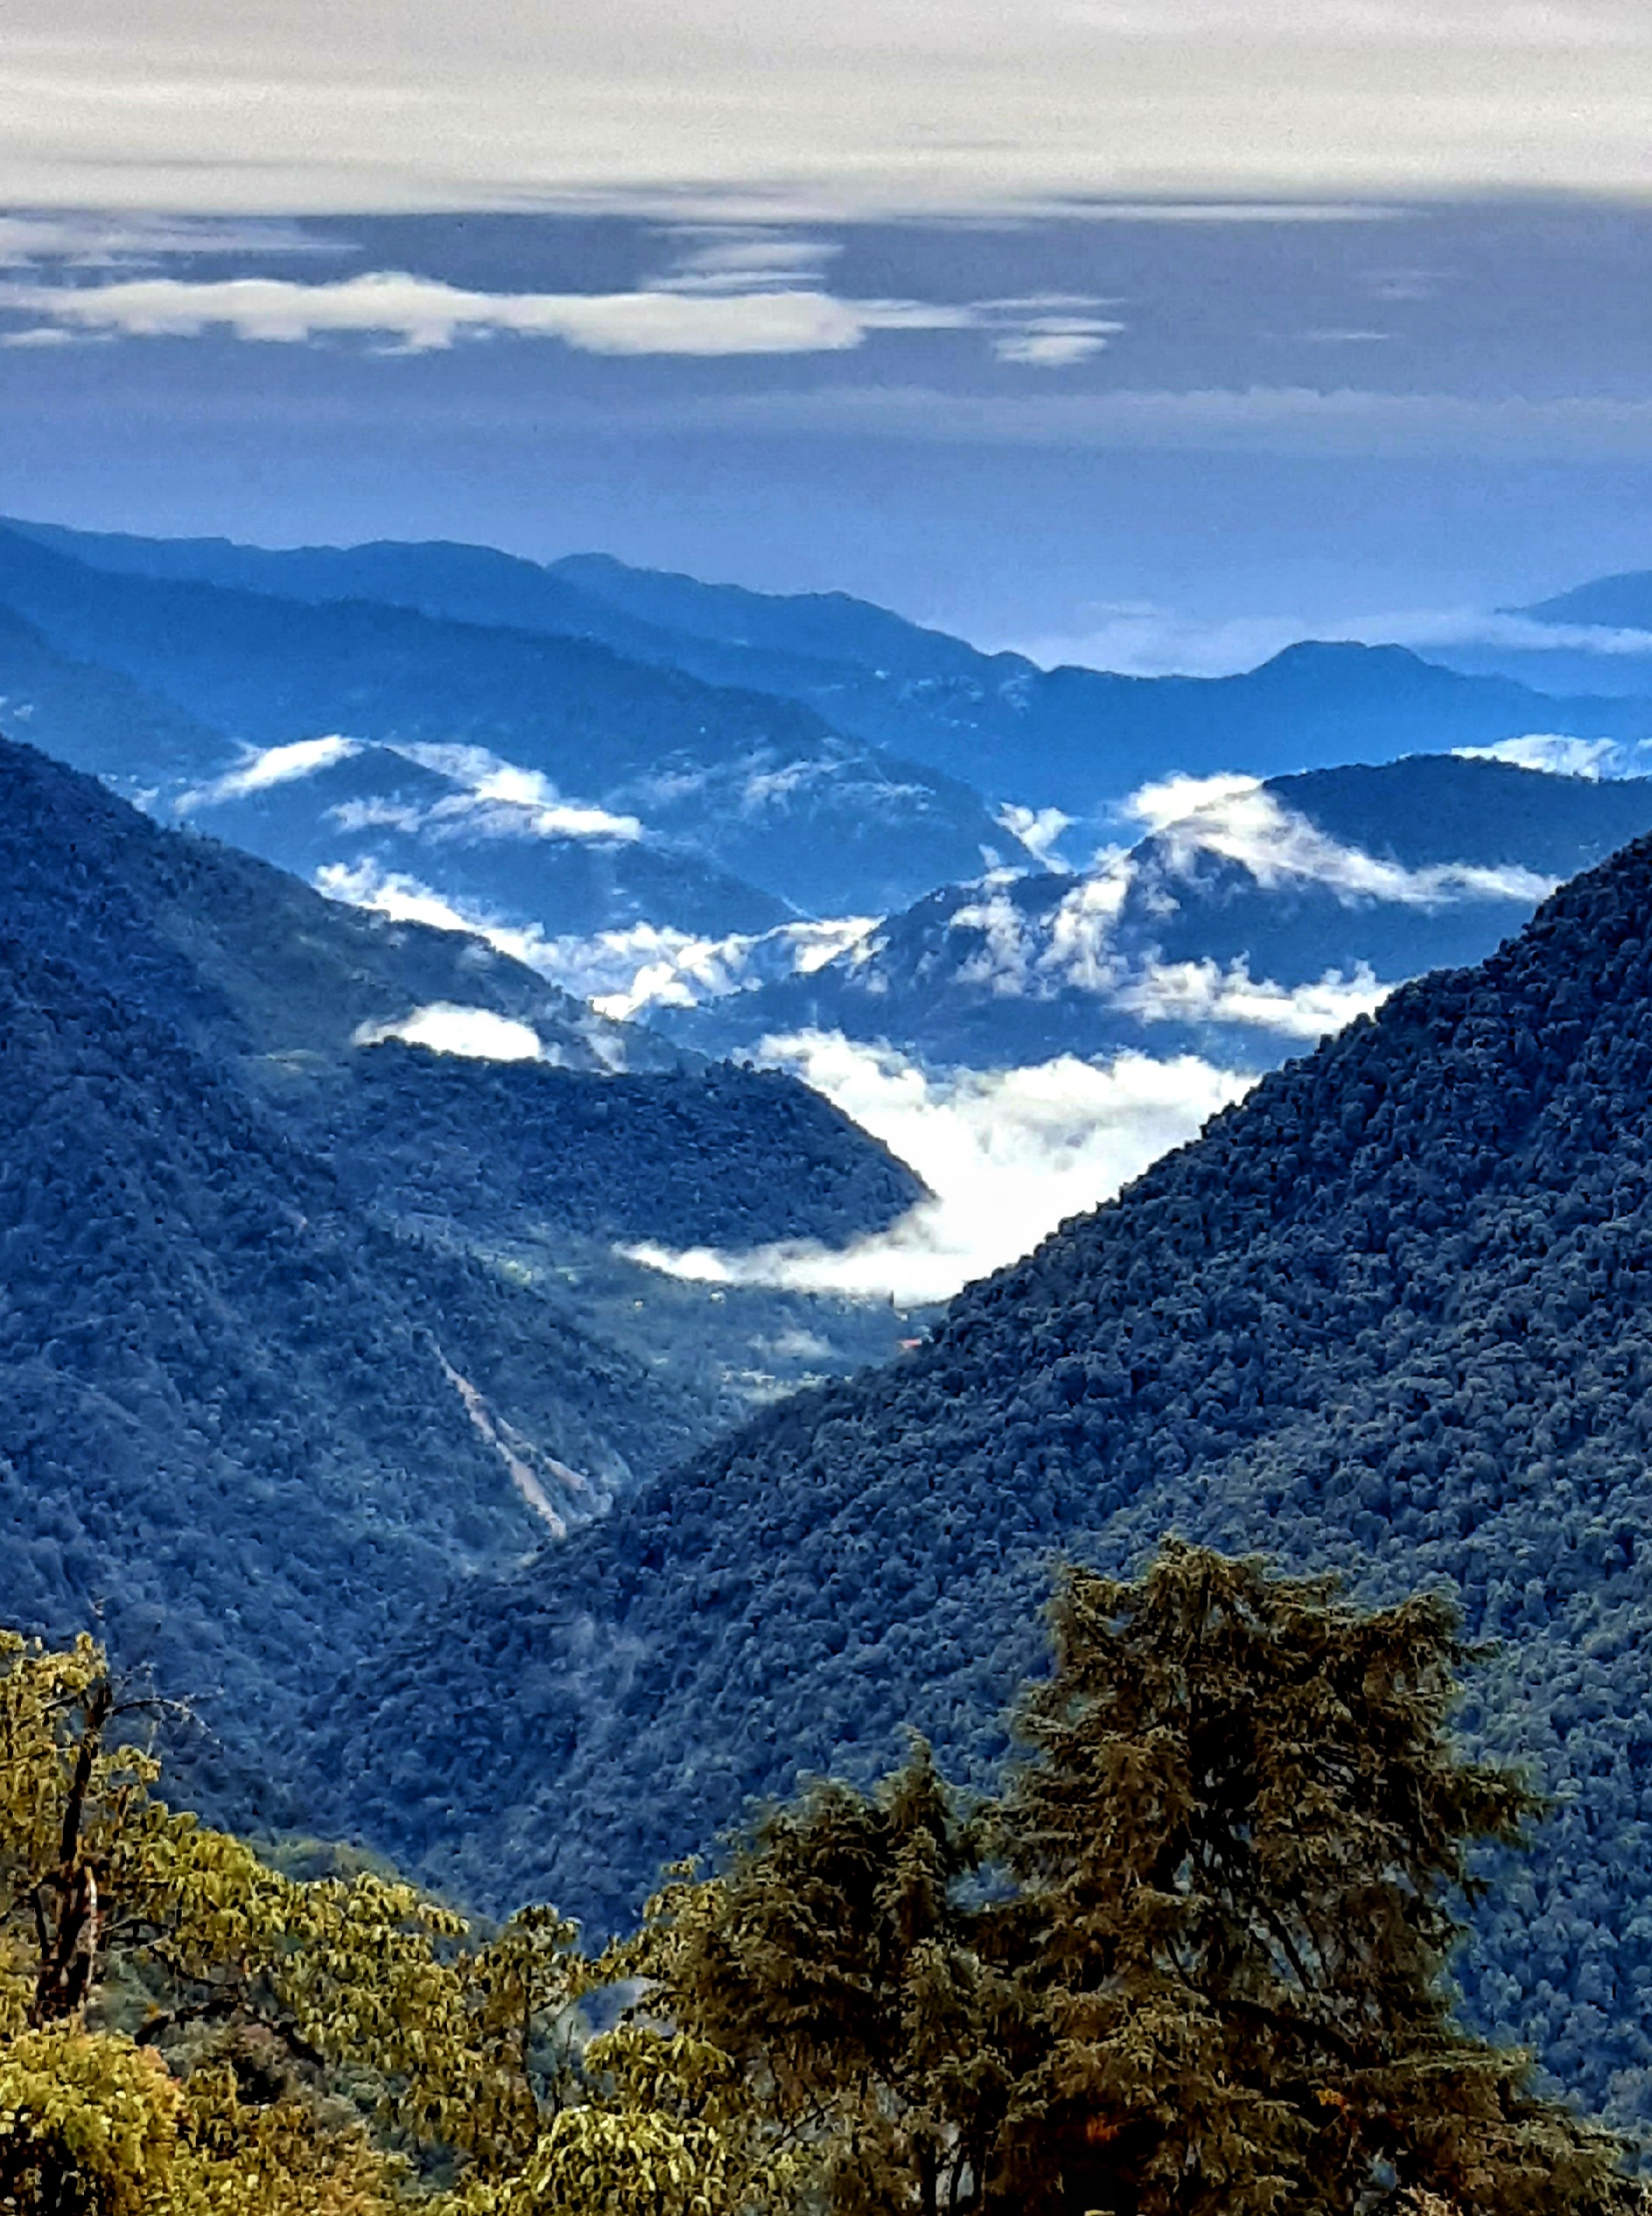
{"type": "Point", "coordinates": [1007, 1155]}
{"type": "Point", "coordinates": [1038, 829]}
{"type": "Point", "coordinates": [872, 106]}
{"type": "Point", "coordinates": [480, 1034]}
{"type": "Point", "coordinates": [1045, 341]}
{"type": "Point", "coordinates": [625, 973]}
{"type": "Point", "coordinates": [1201, 993]}
{"type": "Point", "coordinates": [91, 241]}
{"type": "Point", "coordinates": [422, 315]}
{"type": "Point", "coordinates": [1558, 755]}
{"type": "Point", "coordinates": [405, 900]}
{"type": "Point", "coordinates": [1141, 639]}
{"type": "Point", "coordinates": [1235, 818]}
{"type": "Point", "coordinates": [622, 973]}
{"type": "Point", "coordinates": [273, 766]}
{"type": "Point", "coordinates": [1284, 419]}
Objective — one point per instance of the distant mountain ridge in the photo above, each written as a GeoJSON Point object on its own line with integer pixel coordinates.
{"type": "Point", "coordinates": [1393, 1314]}
{"type": "Point", "coordinates": [746, 784]}
{"type": "Point", "coordinates": [1071, 738]}
{"type": "Point", "coordinates": [1215, 934]}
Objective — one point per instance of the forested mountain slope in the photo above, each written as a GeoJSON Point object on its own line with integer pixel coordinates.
{"type": "Point", "coordinates": [231, 1414]}
{"type": "Point", "coordinates": [1214, 932]}
{"type": "Point", "coordinates": [242, 1409]}
{"type": "Point", "coordinates": [1394, 1312]}
{"type": "Point", "coordinates": [275, 985]}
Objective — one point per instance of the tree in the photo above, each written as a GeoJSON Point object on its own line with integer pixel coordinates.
{"type": "Point", "coordinates": [836, 1963]}
{"type": "Point", "coordinates": [187, 2030]}
{"type": "Point", "coordinates": [1239, 1839]}
{"type": "Point", "coordinates": [1193, 1963]}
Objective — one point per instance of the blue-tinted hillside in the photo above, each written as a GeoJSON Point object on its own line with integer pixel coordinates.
{"type": "Point", "coordinates": [1071, 737]}
{"type": "Point", "coordinates": [1394, 1313]}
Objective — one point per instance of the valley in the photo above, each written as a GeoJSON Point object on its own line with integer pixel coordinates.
{"type": "Point", "coordinates": [602, 1172]}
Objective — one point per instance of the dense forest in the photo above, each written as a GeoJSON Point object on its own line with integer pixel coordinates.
{"type": "Point", "coordinates": [1393, 1313]}
{"type": "Point", "coordinates": [266, 1385]}
{"type": "Point", "coordinates": [1225, 1988]}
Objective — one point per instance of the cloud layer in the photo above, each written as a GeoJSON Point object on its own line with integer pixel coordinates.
{"type": "Point", "coordinates": [299, 105]}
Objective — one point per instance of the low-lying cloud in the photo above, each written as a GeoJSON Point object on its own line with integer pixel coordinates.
{"type": "Point", "coordinates": [1556, 754]}
{"type": "Point", "coordinates": [1207, 991]}
{"type": "Point", "coordinates": [445, 1027]}
{"type": "Point", "coordinates": [1007, 1155]}
{"type": "Point", "coordinates": [273, 766]}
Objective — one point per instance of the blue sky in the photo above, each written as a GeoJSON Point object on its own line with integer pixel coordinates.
{"type": "Point", "coordinates": [1152, 335]}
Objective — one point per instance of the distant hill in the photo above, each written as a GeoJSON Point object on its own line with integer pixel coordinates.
{"type": "Point", "coordinates": [1071, 738]}
{"type": "Point", "coordinates": [271, 1367]}
{"type": "Point", "coordinates": [749, 786]}
{"type": "Point", "coordinates": [1382, 871]}
{"type": "Point", "coordinates": [1394, 1313]}
{"type": "Point", "coordinates": [1620, 603]}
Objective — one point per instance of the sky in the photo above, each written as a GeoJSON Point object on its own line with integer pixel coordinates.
{"type": "Point", "coordinates": [1139, 333]}
{"type": "Point", "coordinates": [1153, 333]}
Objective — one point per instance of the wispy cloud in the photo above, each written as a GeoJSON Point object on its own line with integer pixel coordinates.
{"type": "Point", "coordinates": [1007, 1155]}
{"type": "Point", "coordinates": [1285, 419]}
{"type": "Point", "coordinates": [273, 766]}
{"type": "Point", "coordinates": [873, 106]}
{"type": "Point", "coordinates": [1559, 756]}
{"type": "Point", "coordinates": [1207, 993]}
{"type": "Point", "coordinates": [421, 315]}
{"type": "Point", "coordinates": [1235, 818]}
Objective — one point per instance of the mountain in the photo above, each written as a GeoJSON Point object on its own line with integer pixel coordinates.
{"type": "Point", "coordinates": [1619, 603]}
{"type": "Point", "coordinates": [271, 1369]}
{"type": "Point", "coordinates": [1257, 918]}
{"type": "Point", "coordinates": [545, 731]}
{"type": "Point", "coordinates": [1068, 737]}
{"type": "Point", "coordinates": [1392, 1314]}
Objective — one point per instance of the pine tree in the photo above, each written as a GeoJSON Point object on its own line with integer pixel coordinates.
{"type": "Point", "coordinates": [1240, 1837]}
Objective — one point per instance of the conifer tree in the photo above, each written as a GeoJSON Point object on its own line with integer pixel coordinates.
{"type": "Point", "coordinates": [1240, 1837]}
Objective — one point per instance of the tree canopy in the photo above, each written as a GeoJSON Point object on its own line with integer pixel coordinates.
{"type": "Point", "coordinates": [1193, 1959]}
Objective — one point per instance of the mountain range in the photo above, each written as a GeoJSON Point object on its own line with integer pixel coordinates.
{"type": "Point", "coordinates": [740, 815]}
{"type": "Point", "coordinates": [1256, 916]}
{"type": "Point", "coordinates": [326, 1384]}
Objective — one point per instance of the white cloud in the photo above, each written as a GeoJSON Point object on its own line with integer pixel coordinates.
{"type": "Point", "coordinates": [92, 241]}
{"type": "Point", "coordinates": [1140, 639]}
{"type": "Point", "coordinates": [1038, 829]}
{"type": "Point", "coordinates": [625, 973]}
{"type": "Point", "coordinates": [1233, 818]}
{"type": "Point", "coordinates": [872, 106]}
{"type": "Point", "coordinates": [1558, 755]}
{"type": "Point", "coordinates": [1007, 1155]}
{"type": "Point", "coordinates": [1204, 992]}
{"type": "Point", "coordinates": [274, 766]}
{"type": "Point", "coordinates": [480, 1034]}
{"type": "Point", "coordinates": [404, 899]}
{"type": "Point", "coordinates": [422, 314]}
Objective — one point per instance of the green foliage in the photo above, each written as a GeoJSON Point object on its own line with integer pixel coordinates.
{"type": "Point", "coordinates": [1193, 1962]}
